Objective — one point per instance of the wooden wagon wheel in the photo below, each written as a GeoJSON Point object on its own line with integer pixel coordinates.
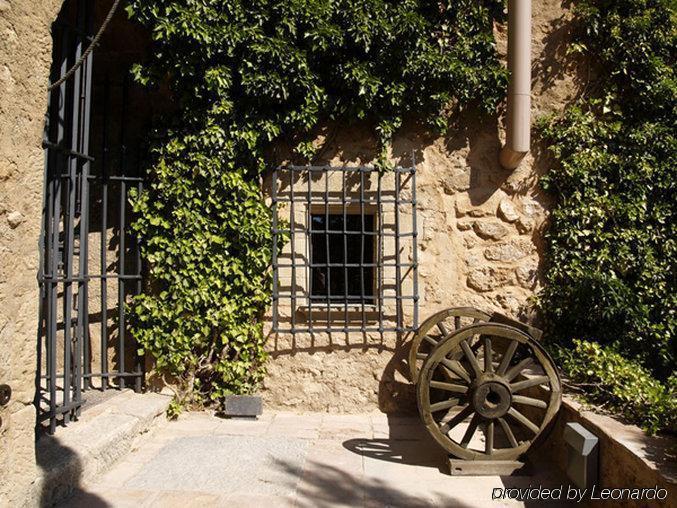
{"type": "Point", "coordinates": [436, 328]}
{"type": "Point", "coordinates": [495, 386]}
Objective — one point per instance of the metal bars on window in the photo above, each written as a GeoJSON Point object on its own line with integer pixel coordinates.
{"type": "Point", "coordinates": [345, 254]}
{"type": "Point", "coordinates": [82, 194]}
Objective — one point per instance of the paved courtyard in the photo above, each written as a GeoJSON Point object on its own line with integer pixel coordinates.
{"type": "Point", "coordinates": [285, 459]}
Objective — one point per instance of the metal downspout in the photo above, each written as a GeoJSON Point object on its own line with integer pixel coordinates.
{"type": "Point", "coordinates": [518, 122]}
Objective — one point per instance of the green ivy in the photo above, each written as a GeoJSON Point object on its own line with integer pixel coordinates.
{"type": "Point", "coordinates": [611, 275]}
{"type": "Point", "coordinates": [248, 75]}
{"type": "Point", "coordinates": [622, 386]}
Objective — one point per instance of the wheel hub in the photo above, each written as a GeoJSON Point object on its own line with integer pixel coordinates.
{"type": "Point", "coordinates": [491, 399]}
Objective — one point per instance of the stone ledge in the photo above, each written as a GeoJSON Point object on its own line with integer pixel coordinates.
{"type": "Point", "coordinates": [627, 456]}
{"type": "Point", "coordinates": [86, 448]}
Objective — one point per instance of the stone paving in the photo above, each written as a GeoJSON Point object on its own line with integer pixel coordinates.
{"type": "Point", "coordinates": [285, 459]}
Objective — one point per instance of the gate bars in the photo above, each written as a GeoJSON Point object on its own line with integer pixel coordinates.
{"type": "Point", "coordinates": [73, 183]}
{"type": "Point", "coordinates": [310, 195]}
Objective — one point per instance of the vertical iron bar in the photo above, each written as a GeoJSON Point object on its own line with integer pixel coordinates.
{"type": "Point", "coordinates": [345, 256]}
{"type": "Point", "coordinates": [69, 229]}
{"type": "Point", "coordinates": [54, 241]}
{"type": "Point", "coordinates": [121, 226]}
{"type": "Point", "coordinates": [292, 227]}
{"type": "Point", "coordinates": [414, 239]}
{"type": "Point", "coordinates": [274, 253]}
{"type": "Point", "coordinates": [138, 380]}
{"type": "Point", "coordinates": [42, 252]}
{"type": "Point", "coordinates": [104, 237]}
{"type": "Point", "coordinates": [83, 290]}
{"type": "Point", "coordinates": [327, 257]}
{"type": "Point", "coordinates": [379, 255]}
{"type": "Point", "coordinates": [364, 321]}
{"type": "Point", "coordinates": [309, 254]}
{"type": "Point", "coordinates": [398, 270]}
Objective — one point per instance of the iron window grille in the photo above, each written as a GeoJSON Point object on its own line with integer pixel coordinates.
{"type": "Point", "coordinates": [349, 263]}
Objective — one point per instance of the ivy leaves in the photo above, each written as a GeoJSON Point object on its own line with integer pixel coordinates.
{"type": "Point", "coordinates": [245, 75]}
{"type": "Point", "coordinates": [611, 276]}
{"type": "Point", "coordinates": [282, 67]}
{"type": "Point", "coordinates": [622, 385]}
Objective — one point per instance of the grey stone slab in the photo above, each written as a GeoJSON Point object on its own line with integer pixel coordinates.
{"type": "Point", "coordinates": [144, 407]}
{"type": "Point", "coordinates": [86, 448]}
{"type": "Point", "coordinates": [225, 464]}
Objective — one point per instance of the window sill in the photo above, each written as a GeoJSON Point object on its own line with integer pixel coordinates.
{"type": "Point", "coordinates": [319, 310]}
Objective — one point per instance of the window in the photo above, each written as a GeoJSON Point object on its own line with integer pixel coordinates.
{"type": "Point", "coordinates": [344, 252]}
{"type": "Point", "coordinates": [342, 258]}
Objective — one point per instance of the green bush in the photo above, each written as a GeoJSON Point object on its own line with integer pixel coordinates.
{"type": "Point", "coordinates": [611, 247]}
{"type": "Point", "coordinates": [247, 76]}
{"type": "Point", "coordinates": [622, 385]}
{"type": "Point", "coordinates": [611, 244]}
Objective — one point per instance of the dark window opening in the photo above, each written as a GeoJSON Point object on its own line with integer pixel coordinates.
{"type": "Point", "coordinates": [342, 258]}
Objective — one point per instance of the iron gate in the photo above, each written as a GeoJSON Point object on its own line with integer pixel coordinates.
{"type": "Point", "coordinates": [88, 173]}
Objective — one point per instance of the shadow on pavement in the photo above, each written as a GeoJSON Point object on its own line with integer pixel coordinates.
{"type": "Point", "coordinates": [326, 486]}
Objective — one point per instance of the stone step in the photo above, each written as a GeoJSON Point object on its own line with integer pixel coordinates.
{"type": "Point", "coordinates": [86, 448]}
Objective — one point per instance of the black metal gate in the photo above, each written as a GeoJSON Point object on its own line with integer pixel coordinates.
{"type": "Point", "coordinates": [85, 188]}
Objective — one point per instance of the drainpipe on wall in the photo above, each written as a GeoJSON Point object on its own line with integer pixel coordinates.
{"type": "Point", "coordinates": [518, 123]}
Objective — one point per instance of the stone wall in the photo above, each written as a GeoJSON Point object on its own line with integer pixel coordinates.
{"type": "Point", "coordinates": [25, 58]}
{"type": "Point", "coordinates": [480, 238]}
{"type": "Point", "coordinates": [480, 233]}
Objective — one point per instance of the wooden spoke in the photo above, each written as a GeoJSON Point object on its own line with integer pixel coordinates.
{"type": "Point", "coordinates": [514, 371]}
{"type": "Point", "coordinates": [456, 367]}
{"type": "Point", "coordinates": [507, 357]}
{"type": "Point", "coordinates": [471, 358]}
{"type": "Point", "coordinates": [488, 354]}
{"type": "Point", "coordinates": [523, 420]}
{"type": "Point", "coordinates": [528, 383]}
{"type": "Point", "coordinates": [529, 401]}
{"type": "Point", "coordinates": [435, 325]}
{"type": "Point", "coordinates": [489, 438]}
{"type": "Point", "coordinates": [446, 404]}
{"type": "Point", "coordinates": [470, 377]}
{"type": "Point", "coordinates": [429, 339]}
{"type": "Point", "coordinates": [455, 420]}
{"type": "Point", "coordinates": [449, 387]}
{"type": "Point", "coordinates": [508, 432]}
{"type": "Point", "coordinates": [470, 431]}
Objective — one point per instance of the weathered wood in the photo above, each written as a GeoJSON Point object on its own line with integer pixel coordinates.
{"type": "Point", "coordinates": [459, 467]}
{"type": "Point", "coordinates": [436, 321]}
{"type": "Point", "coordinates": [476, 383]}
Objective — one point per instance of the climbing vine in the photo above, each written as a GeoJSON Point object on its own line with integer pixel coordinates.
{"type": "Point", "coordinates": [244, 76]}
{"type": "Point", "coordinates": [612, 275]}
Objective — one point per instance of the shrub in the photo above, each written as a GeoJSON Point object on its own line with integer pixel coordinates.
{"type": "Point", "coordinates": [611, 244]}
{"type": "Point", "coordinates": [611, 247]}
{"type": "Point", "coordinates": [622, 385]}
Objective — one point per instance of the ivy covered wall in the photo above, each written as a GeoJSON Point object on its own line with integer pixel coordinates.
{"type": "Point", "coordinates": [246, 77]}
{"type": "Point", "coordinates": [611, 277]}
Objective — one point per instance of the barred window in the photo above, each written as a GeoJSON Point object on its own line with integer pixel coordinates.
{"type": "Point", "coordinates": [342, 258]}
{"type": "Point", "coordinates": [348, 262]}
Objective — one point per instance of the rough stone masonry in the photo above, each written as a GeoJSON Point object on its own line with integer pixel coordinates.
{"type": "Point", "coordinates": [480, 238]}
{"type": "Point", "coordinates": [480, 231]}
